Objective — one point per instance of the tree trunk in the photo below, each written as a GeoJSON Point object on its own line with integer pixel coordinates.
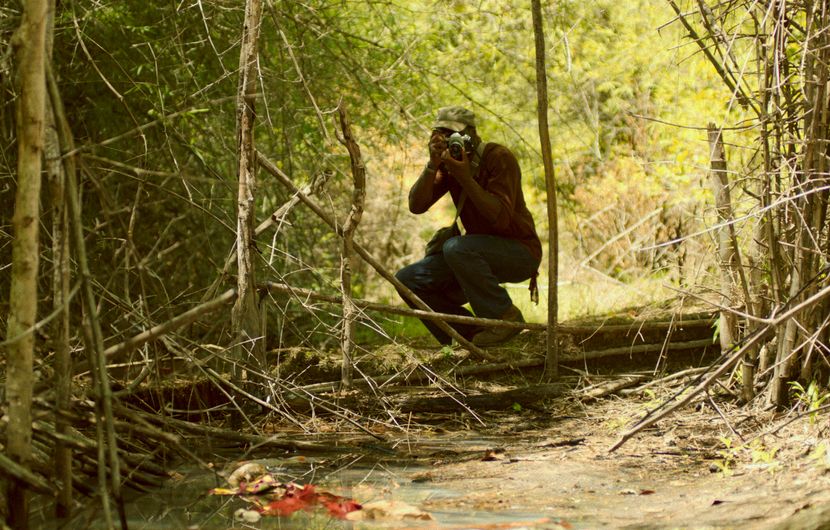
{"type": "Point", "coordinates": [30, 43]}
{"type": "Point", "coordinates": [93, 335]}
{"type": "Point", "coordinates": [353, 219]}
{"type": "Point", "coordinates": [62, 457]}
{"type": "Point", "coordinates": [728, 253]}
{"type": "Point", "coordinates": [552, 355]}
{"type": "Point", "coordinates": [796, 337]}
{"type": "Point", "coordinates": [246, 323]}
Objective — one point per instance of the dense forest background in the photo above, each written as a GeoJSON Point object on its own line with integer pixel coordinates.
{"type": "Point", "coordinates": [690, 142]}
{"type": "Point", "coordinates": [149, 92]}
{"type": "Point", "coordinates": [644, 96]}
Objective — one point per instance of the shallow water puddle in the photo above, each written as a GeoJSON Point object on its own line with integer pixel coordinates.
{"type": "Point", "coordinates": [184, 502]}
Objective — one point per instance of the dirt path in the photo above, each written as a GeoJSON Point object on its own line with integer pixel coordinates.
{"type": "Point", "coordinates": [681, 477]}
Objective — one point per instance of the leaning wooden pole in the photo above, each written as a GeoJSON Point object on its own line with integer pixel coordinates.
{"type": "Point", "coordinates": [93, 336]}
{"type": "Point", "coordinates": [30, 44]}
{"type": "Point", "coordinates": [352, 220]}
{"type": "Point", "coordinates": [61, 277]}
{"type": "Point", "coordinates": [245, 319]}
{"type": "Point", "coordinates": [552, 354]}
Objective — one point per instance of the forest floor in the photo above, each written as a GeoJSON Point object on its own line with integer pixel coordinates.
{"type": "Point", "coordinates": [541, 458]}
{"type": "Point", "coordinates": [689, 471]}
{"type": "Point", "coordinates": [514, 462]}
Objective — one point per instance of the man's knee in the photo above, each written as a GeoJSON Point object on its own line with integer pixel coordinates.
{"type": "Point", "coordinates": [455, 250]}
{"type": "Point", "coordinates": [406, 276]}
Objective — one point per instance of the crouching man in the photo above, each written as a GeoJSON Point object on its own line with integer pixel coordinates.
{"type": "Point", "coordinates": [500, 243]}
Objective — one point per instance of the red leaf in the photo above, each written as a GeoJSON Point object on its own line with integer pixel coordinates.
{"type": "Point", "coordinates": [295, 499]}
{"type": "Point", "coordinates": [339, 507]}
{"type": "Point", "coordinates": [298, 498]}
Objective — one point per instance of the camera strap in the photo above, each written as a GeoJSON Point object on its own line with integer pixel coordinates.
{"type": "Point", "coordinates": [474, 165]}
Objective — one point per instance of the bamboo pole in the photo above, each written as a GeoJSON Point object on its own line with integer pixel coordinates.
{"type": "Point", "coordinates": [349, 227]}
{"type": "Point", "coordinates": [61, 278]}
{"type": "Point", "coordinates": [60, 302]}
{"type": "Point", "coordinates": [245, 320]}
{"type": "Point", "coordinates": [30, 46]}
{"type": "Point", "coordinates": [551, 359]}
{"type": "Point", "coordinates": [93, 335]}
{"type": "Point", "coordinates": [729, 257]}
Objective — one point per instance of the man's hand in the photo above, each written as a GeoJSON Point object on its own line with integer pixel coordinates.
{"type": "Point", "coordinates": [460, 170]}
{"type": "Point", "coordinates": [437, 146]}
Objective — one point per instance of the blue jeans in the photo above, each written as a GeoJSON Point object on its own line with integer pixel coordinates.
{"type": "Point", "coordinates": [470, 269]}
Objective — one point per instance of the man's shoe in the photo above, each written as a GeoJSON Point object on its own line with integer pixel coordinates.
{"type": "Point", "coordinates": [493, 336]}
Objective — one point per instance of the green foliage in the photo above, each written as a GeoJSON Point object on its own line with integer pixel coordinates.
{"type": "Point", "coordinates": [446, 352]}
{"type": "Point", "coordinates": [761, 456]}
{"type": "Point", "coordinates": [150, 92]}
{"type": "Point", "coordinates": [811, 398]}
{"type": "Point", "coordinates": [764, 457]}
{"type": "Point", "coordinates": [820, 456]}
{"type": "Point", "coordinates": [728, 456]}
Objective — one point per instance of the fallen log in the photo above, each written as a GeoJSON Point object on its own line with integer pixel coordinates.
{"type": "Point", "coordinates": [611, 387]}
{"type": "Point", "coordinates": [578, 329]}
{"type": "Point", "coordinates": [18, 473]}
{"type": "Point", "coordinates": [639, 348]}
{"type": "Point", "coordinates": [525, 397]}
{"type": "Point", "coordinates": [489, 368]}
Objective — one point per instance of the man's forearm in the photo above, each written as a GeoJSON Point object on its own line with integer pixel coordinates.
{"type": "Point", "coordinates": [421, 193]}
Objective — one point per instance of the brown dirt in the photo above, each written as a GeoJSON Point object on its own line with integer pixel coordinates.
{"type": "Point", "coordinates": [713, 464]}
{"type": "Point", "coordinates": [690, 471]}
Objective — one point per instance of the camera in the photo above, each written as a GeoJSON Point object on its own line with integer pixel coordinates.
{"type": "Point", "coordinates": [457, 143]}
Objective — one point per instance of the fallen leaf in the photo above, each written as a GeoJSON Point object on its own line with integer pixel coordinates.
{"type": "Point", "coordinates": [423, 477]}
{"type": "Point", "coordinates": [647, 492]}
{"type": "Point", "coordinates": [223, 491]}
{"type": "Point", "coordinates": [261, 485]}
{"type": "Point", "coordinates": [295, 499]}
{"type": "Point", "coordinates": [339, 507]}
{"type": "Point", "coordinates": [246, 472]}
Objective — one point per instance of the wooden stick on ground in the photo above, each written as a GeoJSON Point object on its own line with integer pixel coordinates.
{"type": "Point", "coordinates": [651, 418]}
{"type": "Point", "coordinates": [636, 325]}
{"type": "Point", "coordinates": [611, 387]}
{"type": "Point", "coordinates": [365, 304]}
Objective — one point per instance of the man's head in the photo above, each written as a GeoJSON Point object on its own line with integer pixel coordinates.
{"type": "Point", "coordinates": [455, 118]}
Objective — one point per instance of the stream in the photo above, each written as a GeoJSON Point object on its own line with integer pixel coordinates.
{"type": "Point", "coordinates": [184, 503]}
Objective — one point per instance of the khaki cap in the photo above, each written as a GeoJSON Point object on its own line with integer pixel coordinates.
{"type": "Point", "coordinates": [455, 118]}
